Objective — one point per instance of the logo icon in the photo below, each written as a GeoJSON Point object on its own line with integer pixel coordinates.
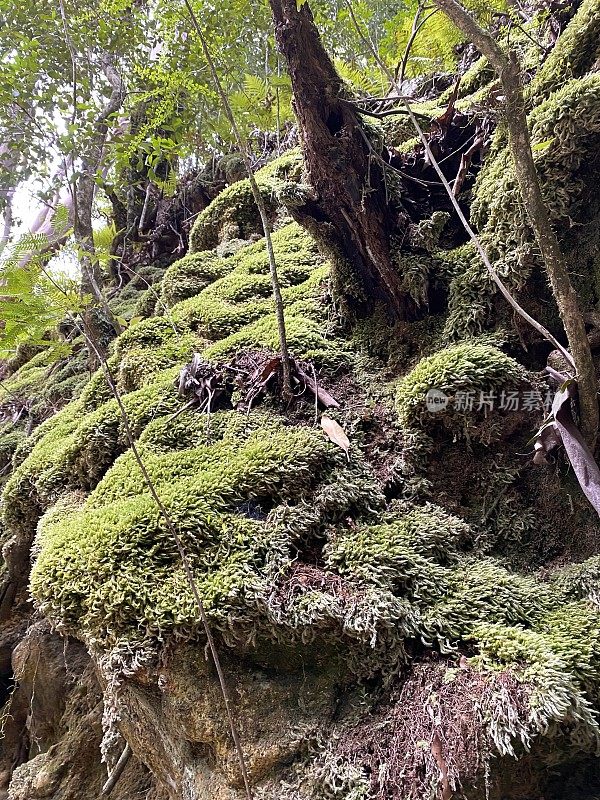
{"type": "Point", "coordinates": [436, 401]}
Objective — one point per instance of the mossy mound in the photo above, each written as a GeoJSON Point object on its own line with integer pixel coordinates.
{"type": "Point", "coordinates": [190, 275]}
{"type": "Point", "coordinates": [46, 381]}
{"type": "Point", "coordinates": [73, 449]}
{"type": "Point", "coordinates": [469, 367]}
{"type": "Point", "coordinates": [116, 562]}
{"type": "Point", "coordinates": [246, 494]}
{"type": "Point", "coordinates": [234, 214]}
{"type": "Point", "coordinates": [244, 294]}
{"type": "Point", "coordinates": [575, 53]}
{"type": "Point", "coordinates": [234, 312]}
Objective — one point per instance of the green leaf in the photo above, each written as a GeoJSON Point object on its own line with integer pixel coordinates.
{"type": "Point", "coordinates": [542, 145]}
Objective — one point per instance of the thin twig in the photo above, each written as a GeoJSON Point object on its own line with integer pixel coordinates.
{"type": "Point", "coordinates": [416, 27]}
{"type": "Point", "coordinates": [258, 199]}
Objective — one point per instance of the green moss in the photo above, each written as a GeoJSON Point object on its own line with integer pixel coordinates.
{"type": "Point", "coordinates": [138, 365]}
{"type": "Point", "coordinates": [190, 275]}
{"type": "Point", "coordinates": [72, 450]}
{"type": "Point", "coordinates": [401, 551]}
{"type": "Point", "coordinates": [482, 589]}
{"type": "Point", "coordinates": [558, 663]}
{"type": "Point", "coordinates": [116, 563]}
{"type": "Point", "coordinates": [470, 366]}
{"type": "Point", "coordinates": [245, 293]}
{"type": "Point", "coordinates": [566, 127]}
{"type": "Point", "coordinates": [305, 337]}
{"type": "Point", "coordinates": [579, 581]}
{"type": "Point", "coordinates": [575, 52]}
{"type": "Point", "coordinates": [235, 312]}
{"type": "Point", "coordinates": [233, 213]}
{"type": "Point", "coordinates": [10, 439]}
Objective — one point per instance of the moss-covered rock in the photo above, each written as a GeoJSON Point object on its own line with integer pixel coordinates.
{"type": "Point", "coordinates": [73, 449]}
{"type": "Point", "coordinates": [234, 214]}
{"type": "Point", "coordinates": [116, 560]}
{"type": "Point", "coordinates": [190, 275]}
{"type": "Point", "coordinates": [472, 367]}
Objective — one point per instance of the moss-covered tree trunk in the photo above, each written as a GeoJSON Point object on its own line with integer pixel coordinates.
{"type": "Point", "coordinates": [348, 205]}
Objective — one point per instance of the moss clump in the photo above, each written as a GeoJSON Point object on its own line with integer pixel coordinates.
{"type": "Point", "coordinates": [401, 550]}
{"type": "Point", "coordinates": [471, 366]}
{"type": "Point", "coordinates": [116, 563]}
{"type": "Point", "coordinates": [72, 450]}
{"type": "Point", "coordinates": [190, 275]}
{"type": "Point", "coordinates": [305, 337]}
{"type": "Point", "coordinates": [575, 52]}
{"type": "Point", "coordinates": [236, 311]}
{"type": "Point", "coordinates": [138, 365]}
{"type": "Point", "coordinates": [10, 439]}
{"type": "Point", "coordinates": [47, 381]}
{"type": "Point", "coordinates": [579, 581]}
{"type": "Point", "coordinates": [558, 661]}
{"type": "Point", "coordinates": [244, 294]}
{"type": "Point", "coordinates": [233, 213]}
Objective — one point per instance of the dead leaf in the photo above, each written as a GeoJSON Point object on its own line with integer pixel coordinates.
{"type": "Point", "coordinates": [561, 428]}
{"type": "Point", "coordinates": [436, 750]}
{"type": "Point", "coordinates": [336, 434]}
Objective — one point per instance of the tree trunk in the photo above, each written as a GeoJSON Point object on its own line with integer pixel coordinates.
{"type": "Point", "coordinates": [509, 71]}
{"type": "Point", "coordinates": [349, 209]}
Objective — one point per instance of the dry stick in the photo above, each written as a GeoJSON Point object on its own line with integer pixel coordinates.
{"type": "Point", "coordinates": [180, 548]}
{"type": "Point", "coordinates": [472, 235]}
{"type": "Point", "coordinates": [117, 771]}
{"type": "Point", "coordinates": [509, 71]}
{"type": "Point", "coordinates": [258, 199]}
{"type": "Point", "coordinates": [416, 27]}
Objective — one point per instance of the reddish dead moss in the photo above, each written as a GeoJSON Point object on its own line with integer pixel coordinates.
{"type": "Point", "coordinates": [430, 738]}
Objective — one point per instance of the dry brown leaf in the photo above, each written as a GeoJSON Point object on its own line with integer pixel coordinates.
{"type": "Point", "coordinates": [336, 434]}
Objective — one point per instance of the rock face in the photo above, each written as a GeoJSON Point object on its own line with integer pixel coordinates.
{"type": "Point", "coordinates": [55, 726]}
{"type": "Point", "coordinates": [176, 719]}
{"type": "Point", "coordinates": [416, 620]}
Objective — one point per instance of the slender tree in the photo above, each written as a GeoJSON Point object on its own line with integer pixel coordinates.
{"type": "Point", "coordinates": [508, 68]}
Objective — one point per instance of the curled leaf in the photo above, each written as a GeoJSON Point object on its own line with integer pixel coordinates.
{"type": "Point", "coordinates": [336, 434]}
{"type": "Point", "coordinates": [561, 427]}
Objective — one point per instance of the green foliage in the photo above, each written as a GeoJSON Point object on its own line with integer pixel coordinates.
{"type": "Point", "coordinates": [434, 46]}
{"type": "Point", "coordinates": [32, 300]}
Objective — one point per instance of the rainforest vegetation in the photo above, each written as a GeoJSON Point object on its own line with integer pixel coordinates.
{"type": "Point", "coordinates": [299, 362]}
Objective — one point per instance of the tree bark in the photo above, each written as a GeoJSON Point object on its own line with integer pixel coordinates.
{"type": "Point", "coordinates": [349, 205]}
{"type": "Point", "coordinates": [508, 69]}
